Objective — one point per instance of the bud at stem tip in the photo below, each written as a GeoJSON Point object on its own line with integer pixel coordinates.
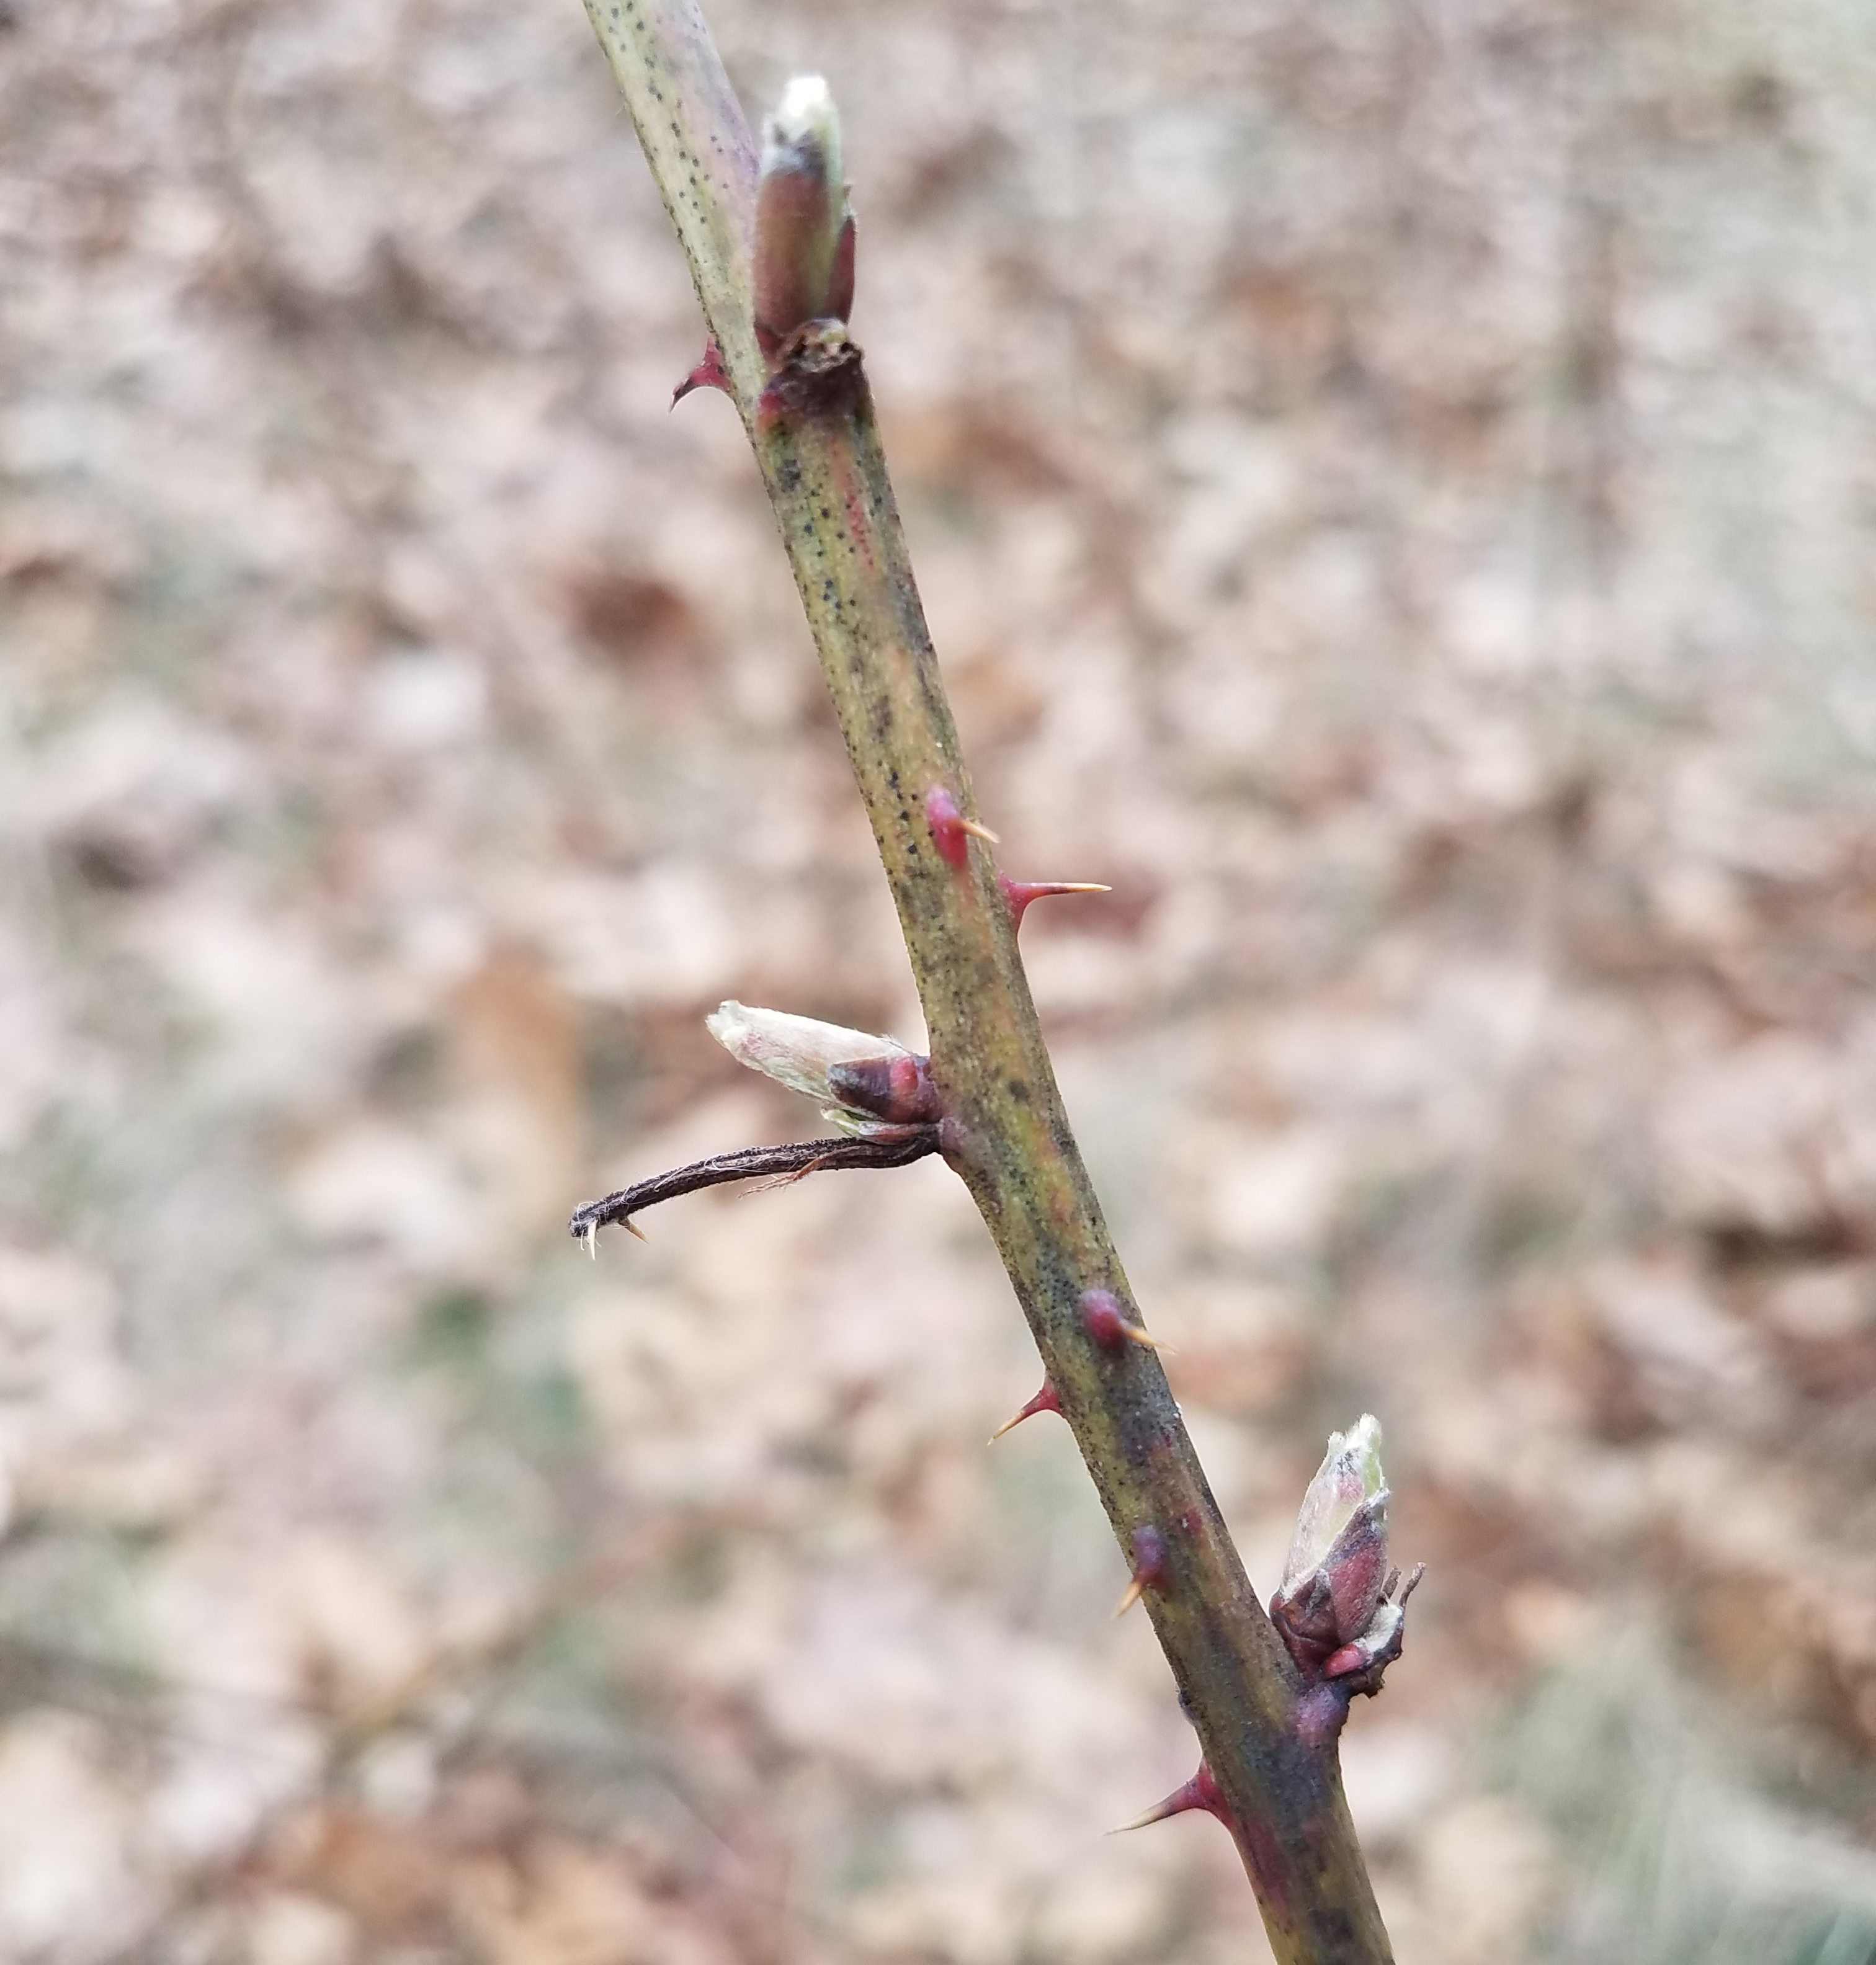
{"type": "Point", "coordinates": [801, 222]}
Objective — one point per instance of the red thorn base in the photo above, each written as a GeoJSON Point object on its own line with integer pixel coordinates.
{"type": "Point", "coordinates": [1149, 1548]}
{"type": "Point", "coordinates": [1108, 1324]}
{"type": "Point", "coordinates": [951, 832]}
{"type": "Point", "coordinates": [709, 374]}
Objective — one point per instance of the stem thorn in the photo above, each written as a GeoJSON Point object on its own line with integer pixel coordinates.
{"type": "Point", "coordinates": [1020, 893]}
{"type": "Point", "coordinates": [1149, 1548]}
{"type": "Point", "coordinates": [709, 374]}
{"type": "Point", "coordinates": [1201, 1791]}
{"type": "Point", "coordinates": [950, 831]}
{"type": "Point", "coordinates": [1045, 1400]}
{"type": "Point", "coordinates": [1109, 1325]}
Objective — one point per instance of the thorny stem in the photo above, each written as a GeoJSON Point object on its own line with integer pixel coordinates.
{"type": "Point", "coordinates": [1005, 1132]}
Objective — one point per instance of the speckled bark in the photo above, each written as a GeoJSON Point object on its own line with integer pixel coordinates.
{"type": "Point", "coordinates": [1005, 1131]}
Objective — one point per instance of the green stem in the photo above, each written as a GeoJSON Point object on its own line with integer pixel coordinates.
{"type": "Point", "coordinates": [1005, 1131]}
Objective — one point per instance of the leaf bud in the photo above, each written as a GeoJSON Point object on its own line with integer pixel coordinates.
{"type": "Point", "coordinates": [868, 1086]}
{"type": "Point", "coordinates": [1336, 1575]}
{"type": "Point", "coordinates": [803, 230]}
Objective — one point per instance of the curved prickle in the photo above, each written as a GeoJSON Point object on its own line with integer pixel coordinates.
{"type": "Point", "coordinates": [709, 374]}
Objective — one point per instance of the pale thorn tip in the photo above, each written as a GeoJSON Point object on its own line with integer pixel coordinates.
{"type": "Point", "coordinates": [978, 831]}
{"type": "Point", "coordinates": [1044, 1401]}
{"type": "Point", "coordinates": [1146, 1340]}
{"type": "Point", "coordinates": [590, 1235]}
{"type": "Point", "coordinates": [1160, 1811]}
{"type": "Point", "coordinates": [1023, 895]}
{"type": "Point", "coordinates": [1201, 1791]}
{"type": "Point", "coordinates": [633, 1228]}
{"type": "Point", "coordinates": [1131, 1595]}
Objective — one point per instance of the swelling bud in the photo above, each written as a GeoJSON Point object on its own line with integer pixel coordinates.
{"type": "Point", "coordinates": [804, 233]}
{"type": "Point", "coordinates": [1336, 1580]}
{"type": "Point", "coordinates": [868, 1086]}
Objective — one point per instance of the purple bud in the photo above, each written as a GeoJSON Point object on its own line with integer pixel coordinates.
{"type": "Point", "coordinates": [897, 1087]}
{"type": "Point", "coordinates": [1336, 1575]}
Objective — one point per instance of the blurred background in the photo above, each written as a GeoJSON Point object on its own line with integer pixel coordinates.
{"type": "Point", "coordinates": [1395, 485]}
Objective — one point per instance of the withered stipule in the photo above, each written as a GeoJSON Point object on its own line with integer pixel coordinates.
{"type": "Point", "coordinates": [791, 1162]}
